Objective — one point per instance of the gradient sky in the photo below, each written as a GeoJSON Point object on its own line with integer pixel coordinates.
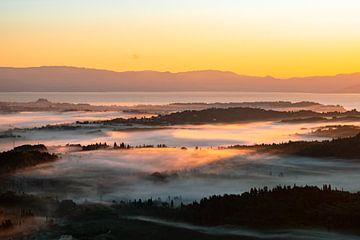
{"type": "Point", "coordinates": [256, 37]}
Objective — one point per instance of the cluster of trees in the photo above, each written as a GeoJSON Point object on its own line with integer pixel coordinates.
{"type": "Point", "coordinates": [151, 146]}
{"type": "Point", "coordinates": [26, 213]}
{"type": "Point", "coordinates": [6, 224]}
{"type": "Point", "coordinates": [161, 146]}
{"type": "Point", "coordinates": [98, 146]}
{"type": "Point", "coordinates": [56, 127]}
{"type": "Point", "coordinates": [121, 146]}
{"type": "Point", "coordinates": [24, 156]}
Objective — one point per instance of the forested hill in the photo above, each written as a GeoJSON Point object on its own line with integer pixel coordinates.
{"type": "Point", "coordinates": [24, 156]}
{"type": "Point", "coordinates": [232, 115]}
{"type": "Point", "coordinates": [343, 148]}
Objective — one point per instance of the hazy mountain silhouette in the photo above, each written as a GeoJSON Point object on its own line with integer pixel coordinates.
{"type": "Point", "coordinates": [60, 78]}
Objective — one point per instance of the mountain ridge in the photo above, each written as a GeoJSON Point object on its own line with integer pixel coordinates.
{"type": "Point", "coordinates": [71, 79]}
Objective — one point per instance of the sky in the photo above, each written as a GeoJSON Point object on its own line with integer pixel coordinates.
{"type": "Point", "coordinates": [281, 38]}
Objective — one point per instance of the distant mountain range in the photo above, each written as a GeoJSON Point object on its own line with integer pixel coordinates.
{"type": "Point", "coordinates": [71, 79]}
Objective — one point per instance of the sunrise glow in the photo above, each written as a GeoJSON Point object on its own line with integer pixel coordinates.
{"type": "Point", "coordinates": [279, 38]}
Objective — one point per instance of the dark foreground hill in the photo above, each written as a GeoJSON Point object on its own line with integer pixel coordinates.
{"type": "Point", "coordinates": [278, 208]}
{"type": "Point", "coordinates": [276, 211]}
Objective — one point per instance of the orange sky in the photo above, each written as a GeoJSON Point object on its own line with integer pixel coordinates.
{"type": "Point", "coordinates": [260, 37]}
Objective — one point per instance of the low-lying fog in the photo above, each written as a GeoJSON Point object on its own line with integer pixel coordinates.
{"type": "Point", "coordinates": [253, 234]}
{"type": "Point", "coordinates": [38, 119]}
{"type": "Point", "coordinates": [186, 135]}
{"type": "Point", "coordinates": [192, 174]}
